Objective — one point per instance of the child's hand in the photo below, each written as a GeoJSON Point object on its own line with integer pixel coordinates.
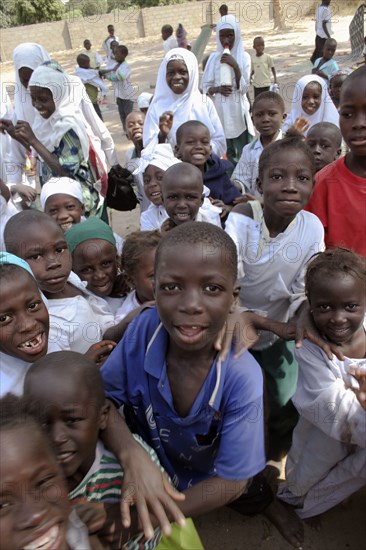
{"type": "Point", "coordinates": [167, 226]}
{"type": "Point", "coordinates": [26, 192]}
{"type": "Point", "coordinates": [24, 133]}
{"type": "Point", "coordinates": [244, 198]}
{"type": "Point", "coordinates": [224, 90]}
{"type": "Point", "coordinates": [99, 352]}
{"type": "Point", "coordinates": [305, 328]}
{"type": "Point", "coordinates": [229, 60]}
{"type": "Point", "coordinates": [165, 125]}
{"type": "Point", "coordinates": [301, 124]}
{"type": "Point", "coordinates": [360, 376]}
{"type": "Point", "coordinates": [7, 127]}
{"type": "Point", "coordinates": [225, 208]}
{"type": "Point", "coordinates": [239, 328]}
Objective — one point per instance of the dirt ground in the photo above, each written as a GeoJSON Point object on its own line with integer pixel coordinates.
{"type": "Point", "coordinates": [343, 526]}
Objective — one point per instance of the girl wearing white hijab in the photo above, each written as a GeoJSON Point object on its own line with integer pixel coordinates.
{"type": "Point", "coordinates": [231, 102]}
{"type": "Point", "coordinates": [177, 99]}
{"type": "Point", "coordinates": [61, 135]}
{"type": "Point", "coordinates": [311, 101]}
{"type": "Point", "coordinates": [26, 58]}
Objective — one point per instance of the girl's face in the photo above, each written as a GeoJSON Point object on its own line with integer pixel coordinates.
{"type": "Point", "coordinates": [338, 305]}
{"type": "Point", "coordinates": [227, 38]}
{"type": "Point", "coordinates": [25, 74]}
{"type": "Point", "coordinates": [95, 261]}
{"type": "Point", "coordinates": [42, 100]}
{"type": "Point", "coordinates": [152, 179]}
{"type": "Point", "coordinates": [286, 183]}
{"type": "Point", "coordinates": [144, 276]}
{"type": "Point", "coordinates": [311, 98]}
{"type": "Point", "coordinates": [24, 323]}
{"type": "Point", "coordinates": [34, 504]}
{"type": "Point", "coordinates": [66, 210]}
{"type": "Point", "coordinates": [177, 76]}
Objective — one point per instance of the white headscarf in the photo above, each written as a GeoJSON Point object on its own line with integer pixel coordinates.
{"type": "Point", "coordinates": [28, 55]}
{"type": "Point", "coordinates": [237, 51]}
{"type": "Point", "coordinates": [66, 92]}
{"type": "Point", "coordinates": [66, 186]}
{"type": "Point", "coordinates": [161, 156]}
{"type": "Point", "coordinates": [190, 105]}
{"type": "Point", "coordinates": [326, 112]}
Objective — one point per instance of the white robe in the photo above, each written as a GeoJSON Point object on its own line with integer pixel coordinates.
{"type": "Point", "coordinates": [327, 460]}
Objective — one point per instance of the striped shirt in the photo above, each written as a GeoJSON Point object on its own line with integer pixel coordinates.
{"type": "Point", "coordinates": [103, 483]}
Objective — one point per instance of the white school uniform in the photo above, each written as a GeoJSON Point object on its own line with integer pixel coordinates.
{"type": "Point", "coordinates": [327, 459]}
{"type": "Point", "coordinates": [271, 270]}
{"type": "Point", "coordinates": [246, 171]}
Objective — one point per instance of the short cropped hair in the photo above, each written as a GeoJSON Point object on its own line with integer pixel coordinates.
{"type": "Point", "coordinates": [294, 141]}
{"type": "Point", "coordinates": [205, 234]}
{"type": "Point", "coordinates": [332, 262]}
{"type": "Point", "coordinates": [167, 29]}
{"type": "Point", "coordinates": [73, 365]}
{"type": "Point", "coordinates": [134, 248]}
{"type": "Point", "coordinates": [328, 126]}
{"type": "Point", "coordinates": [359, 74]}
{"type": "Point", "coordinates": [187, 125]}
{"type": "Point", "coordinates": [270, 96]}
{"type": "Point", "coordinates": [16, 227]}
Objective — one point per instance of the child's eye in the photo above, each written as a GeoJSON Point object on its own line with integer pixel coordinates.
{"type": "Point", "coordinates": [72, 420]}
{"type": "Point", "coordinates": [45, 480]}
{"type": "Point", "coordinates": [276, 177]}
{"type": "Point", "coordinates": [5, 318]}
{"type": "Point", "coordinates": [212, 288]}
{"type": "Point", "coordinates": [5, 506]}
{"type": "Point", "coordinates": [71, 207]}
{"type": "Point", "coordinates": [34, 306]}
{"type": "Point", "coordinates": [304, 178]}
{"type": "Point", "coordinates": [34, 257]}
{"type": "Point", "coordinates": [324, 307]}
{"type": "Point", "coordinates": [345, 114]}
{"type": "Point", "coordinates": [169, 287]}
{"type": "Point", "coordinates": [172, 197]}
{"type": "Point", "coordinates": [352, 307]}
{"type": "Point", "coordinates": [106, 263]}
{"type": "Point", "coordinates": [60, 249]}
{"type": "Point", "coordinates": [52, 211]}
{"type": "Point", "coordinates": [86, 270]}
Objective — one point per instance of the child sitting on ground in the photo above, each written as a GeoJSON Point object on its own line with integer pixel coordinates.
{"type": "Point", "coordinates": [339, 195]}
{"type": "Point", "coordinates": [183, 197]}
{"type": "Point", "coordinates": [195, 408]}
{"type": "Point", "coordinates": [311, 104]}
{"type": "Point", "coordinates": [36, 511]}
{"type": "Point", "coordinates": [137, 264]}
{"type": "Point", "coordinates": [75, 402]}
{"type": "Point", "coordinates": [262, 66]}
{"type": "Point", "coordinates": [325, 141]}
{"type": "Point", "coordinates": [327, 460]}
{"type": "Point", "coordinates": [268, 113]}
{"type": "Point", "coordinates": [193, 146]}
{"type": "Point", "coordinates": [91, 80]}
{"type": "Point", "coordinates": [80, 318]}
{"type": "Point", "coordinates": [95, 260]}
{"type": "Point", "coordinates": [274, 245]}
{"type": "Point", "coordinates": [325, 66]}
{"type": "Point", "coordinates": [61, 198]}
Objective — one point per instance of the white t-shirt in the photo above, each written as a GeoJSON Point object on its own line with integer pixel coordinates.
{"type": "Point", "coordinates": [323, 14]}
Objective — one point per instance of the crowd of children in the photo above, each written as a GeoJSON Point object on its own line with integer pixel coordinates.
{"type": "Point", "coordinates": [122, 379]}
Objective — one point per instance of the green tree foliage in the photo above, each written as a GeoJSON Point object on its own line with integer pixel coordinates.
{"type": "Point", "coordinates": [93, 7]}
{"type": "Point", "coordinates": [38, 11]}
{"type": "Point", "coordinates": [7, 13]}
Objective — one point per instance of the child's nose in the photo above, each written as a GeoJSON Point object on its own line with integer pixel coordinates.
{"type": "Point", "coordinates": [26, 323]}
{"type": "Point", "coordinates": [32, 512]}
{"type": "Point", "coordinates": [191, 303]}
{"type": "Point", "coordinates": [58, 433]}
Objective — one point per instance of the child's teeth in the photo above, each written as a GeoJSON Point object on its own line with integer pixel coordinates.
{"type": "Point", "coordinates": [45, 541]}
{"type": "Point", "coordinates": [32, 343]}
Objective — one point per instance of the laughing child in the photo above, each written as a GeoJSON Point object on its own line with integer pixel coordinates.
{"type": "Point", "coordinates": [74, 412]}
{"type": "Point", "coordinates": [195, 408]}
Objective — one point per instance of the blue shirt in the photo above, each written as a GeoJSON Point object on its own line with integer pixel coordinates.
{"type": "Point", "coordinates": [222, 434]}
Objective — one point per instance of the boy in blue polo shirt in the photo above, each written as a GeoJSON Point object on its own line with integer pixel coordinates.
{"type": "Point", "coordinates": [202, 415]}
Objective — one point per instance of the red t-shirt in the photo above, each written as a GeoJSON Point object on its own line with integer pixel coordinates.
{"type": "Point", "coordinates": [339, 201]}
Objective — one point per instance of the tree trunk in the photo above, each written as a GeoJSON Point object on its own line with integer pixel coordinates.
{"type": "Point", "coordinates": [278, 21]}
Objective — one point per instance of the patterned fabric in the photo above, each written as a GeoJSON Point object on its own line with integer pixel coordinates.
{"type": "Point", "coordinates": [103, 483]}
{"type": "Point", "coordinates": [356, 32]}
{"type": "Point", "coordinates": [71, 158]}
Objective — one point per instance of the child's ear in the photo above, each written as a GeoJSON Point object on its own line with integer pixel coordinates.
{"type": "Point", "coordinates": [202, 198]}
{"type": "Point", "coordinates": [258, 184]}
{"type": "Point", "coordinates": [82, 209]}
{"type": "Point", "coordinates": [236, 292]}
{"type": "Point", "coordinates": [103, 415]}
{"type": "Point", "coordinates": [284, 116]}
{"type": "Point", "coordinates": [338, 153]}
{"type": "Point", "coordinates": [176, 152]}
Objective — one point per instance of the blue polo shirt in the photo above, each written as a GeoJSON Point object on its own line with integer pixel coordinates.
{"type": "Point", "coordinates": [223, 433]}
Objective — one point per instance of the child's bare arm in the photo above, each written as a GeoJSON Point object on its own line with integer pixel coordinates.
{"type": "Point", "coordinates": [144, 484]}
{"type": "Point", "coordinates": [274, 75]}
{"type": "Point", "coordinates": [24, 134]}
